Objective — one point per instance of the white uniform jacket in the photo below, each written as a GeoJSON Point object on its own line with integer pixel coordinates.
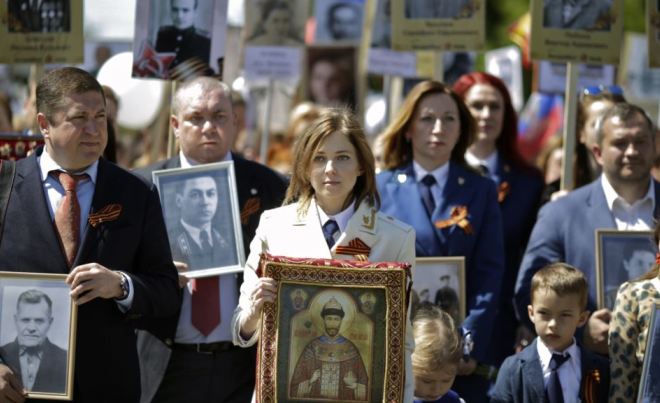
{"type": "Point", "coordinates": [285, 232]}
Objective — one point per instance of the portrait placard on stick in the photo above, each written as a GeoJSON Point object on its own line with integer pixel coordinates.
{"type": "Point", "coordinates": [621, 256]}
{"type": "Point", "coordinates": [179, 39]}
{"type": "Point", "coordinates": [38, 324]}
{"type": "Point", "coordinates": [653, 31]}
{"type": "Point", "coordinates": [450, 25]}
{"type": "Point", "coordinates": [41, 32]}
{"type": "Point", "coordinates": [354, 312]}
{"type": "Point", "coordinates": [584, 32]}
{"type": "Point", "coordinates": [440, 281]}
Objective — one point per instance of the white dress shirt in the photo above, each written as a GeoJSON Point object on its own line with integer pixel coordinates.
{"type": "Point", "coordinates": [185, 331]}
{"type": "Point", "coordinates": [54, 192]}
{"type": "Point", "coordinates": [636, 216]}
{"type": "Point", "coordinates": [441, 174]}
{"type": "Point", "coordinates": [341, 218]}
{"type": "Point", "coordinates": [489, 162]}
{"type": "Point", "coordinates": [570, 373]}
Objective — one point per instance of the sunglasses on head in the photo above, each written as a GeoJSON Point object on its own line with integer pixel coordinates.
{"type": "Point", "coordinates": [600, 89]}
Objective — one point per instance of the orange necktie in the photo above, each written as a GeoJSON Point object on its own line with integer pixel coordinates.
{"type": "Point", "coordinates": [67, 216]}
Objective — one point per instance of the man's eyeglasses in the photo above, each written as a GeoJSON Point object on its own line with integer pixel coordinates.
{"type": "Point", "coordinates": [601, 89]}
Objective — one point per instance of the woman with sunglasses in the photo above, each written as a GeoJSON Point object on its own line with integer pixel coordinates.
{"type": "Point", "coordinates": [519, 186]}
{"type": "Point", "coordinates": [331, 200]}
{"type": "Point", "coordinates": [427, 184]}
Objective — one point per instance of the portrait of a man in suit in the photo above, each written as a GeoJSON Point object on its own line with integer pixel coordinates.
{"type": "Point", "coordinates": [633, 257]}
{"type": "Point", "coordinates": [40, 364]}
{"type": "Point", "coordinates": [592, 15]}
{"type": "Point", "coordinates": [195, 240]}
{"type": "Point", "coordinates": [344, 20]}
{"type": "Point", "coordinates": [39, 15]}
{"type": "Point", "coordinates": [433, 9]}
{"type": "Point", "coordinates": [330, 366]}
{"type": "Point", "coordinates": [182, 37]}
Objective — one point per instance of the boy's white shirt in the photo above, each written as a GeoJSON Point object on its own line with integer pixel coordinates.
{"type": "Point", "coordinates": [570, 373]}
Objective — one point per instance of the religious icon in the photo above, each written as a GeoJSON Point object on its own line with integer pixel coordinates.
{"type": "Point", "coordinates": [331, 321]}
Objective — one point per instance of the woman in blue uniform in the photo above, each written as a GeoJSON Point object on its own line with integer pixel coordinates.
{"type": "Point", "coordinates": [427, 183]}
{"type": "Point", "coordinates": [519, 186]}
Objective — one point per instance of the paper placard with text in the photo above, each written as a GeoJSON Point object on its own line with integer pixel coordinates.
{"type": "Point", "coordinates": [449, 25]}
{"type": "Point", "coordinates": [587, 32]}
{"type": "Point", "coordinates": [46, 32]}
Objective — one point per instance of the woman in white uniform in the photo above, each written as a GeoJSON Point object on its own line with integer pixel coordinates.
{"type": "Point", "coordinates": [333, 181]}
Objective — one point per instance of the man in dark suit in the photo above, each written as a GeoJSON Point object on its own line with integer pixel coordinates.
{"type": "Point", "coordinates": [182, 37]}
{"type": "Point", "coordinates": [109, 236]}
{"type": "Point", "coordinates": [625, 197]}
{"type": "Point", "coordinates": [208, 367]}
{"type": "Point", "coordinates": [41, 364]}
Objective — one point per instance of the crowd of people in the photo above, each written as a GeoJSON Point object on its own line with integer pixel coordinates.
{"type": "Point", "coordinates": [450, 182]}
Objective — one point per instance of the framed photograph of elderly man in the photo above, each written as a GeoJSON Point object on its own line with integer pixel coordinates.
{"type": "Point", "coordinates": [200, 205]}
{"type": "Point", "coordinates": [621, 256]}
{"type": "Point", "coordinates": [335, 333]}
{"type": "Point", "coordinates": [440, 281]}
{"type": "Point", "coordinates": [38, 333]}
{"type": "Point", "coordinates": [649, 383]}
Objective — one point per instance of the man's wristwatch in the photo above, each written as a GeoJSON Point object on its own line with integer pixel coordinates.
{"type": "Point", "coordinates": [125, 287]}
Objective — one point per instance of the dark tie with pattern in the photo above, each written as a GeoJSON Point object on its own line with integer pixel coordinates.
{"type": "Point", "coordinates": [329, 230]}
{"type": "Point", "coordinates": [553, 389]}
{"type": "Point", "coordinates": [205, 315]}
{"type": "Point", "coordinates": [67, 215]}
{"type": "Point", "coordinates": [425, 192]}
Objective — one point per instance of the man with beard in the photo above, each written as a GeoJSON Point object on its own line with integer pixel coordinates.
{"type": "Point", "coordinates": [624, 197]}
{"type": "Point", "coordinates": [330, 366]}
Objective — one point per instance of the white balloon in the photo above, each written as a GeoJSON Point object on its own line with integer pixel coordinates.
{"type": "Point", "coordinates": [139, 99]}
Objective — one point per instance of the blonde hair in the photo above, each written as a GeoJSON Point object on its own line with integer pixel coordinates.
{"type": "Point", "coordinates": [563, 279]}
{"type": "Point", "coordinates": [437, 340]}
{"type": "Point", "coordinates": [329, 122]}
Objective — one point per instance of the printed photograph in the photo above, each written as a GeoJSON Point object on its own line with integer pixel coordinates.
{"type": "Point", "coordinates": [440, 281]}
{"type": "Point", "coordinates": [201, 215]}
{"type": "Point", "coordinates": [275, 22]}
{"type": "Point", "coordinates": [37, 332]}
{"type": "Point", "coordinates": [339, 21]}
{"type": "Point", "coordinates": [621, 256]}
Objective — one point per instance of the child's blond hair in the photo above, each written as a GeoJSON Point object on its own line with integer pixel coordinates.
{"type": "Point", "coordinates": [563, 279]}
{"type": "Point", "coordinates": [437, 340]}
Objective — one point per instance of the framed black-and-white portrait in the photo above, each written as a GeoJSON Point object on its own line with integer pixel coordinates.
{"type": "Point", "coordinates": [38, 332]}
{"type": "Point", "coordinates": [440, 281]}
{"type": "Point", "coordinates": [338, 21]}
{"type": "Point", "coordinates": [621, 256]}
{"type": "Point", "coordinates": [200, 206]}
{"type": "Point", "coordinates": [649, 383]}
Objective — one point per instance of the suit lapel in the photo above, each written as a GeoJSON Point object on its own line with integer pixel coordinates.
{"type": "Point", "coordinates": [103, 195]}
{"type": "Point", "coordinates": [533, 373]}
{"type": "Point", "coordinates": [311, 233]}
{"type": "Point", "coordinates": [599, 213]}
{"type": "Point", "coordinates": [456, 192]}
{"type": "Point", "coordinates": [363, 226]}
{"type": "Point", "coordinates": [30, 192]}
{"type": "Point", "coordinates": [403, 188]}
